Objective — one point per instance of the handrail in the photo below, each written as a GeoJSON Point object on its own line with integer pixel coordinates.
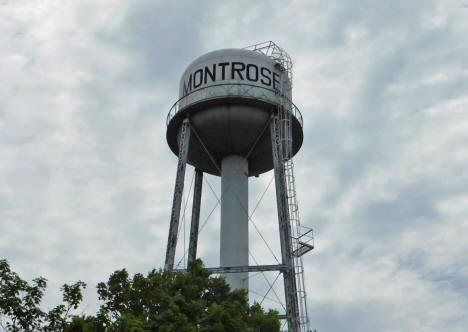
{"type": "Point", "coordinates": [273, 51]}
{"type": "Point", "coordinates": [176, 108]}
{"type": "Point", "coordinates": [306, 234]}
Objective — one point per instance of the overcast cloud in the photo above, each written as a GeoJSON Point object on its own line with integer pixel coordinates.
{"type": "Point", "coordinates": [86, 176]}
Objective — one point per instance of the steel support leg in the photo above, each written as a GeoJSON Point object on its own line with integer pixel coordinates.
{"type": "Point", "coordinates": [290, 288]}
{"type": "Point", "coordinates": [184, 140]}
{"type": "Point", "coordinates": [197, 192]}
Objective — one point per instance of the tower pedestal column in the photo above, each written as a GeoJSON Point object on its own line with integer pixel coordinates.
{"type": "Point", "coordinates": [234, 246]}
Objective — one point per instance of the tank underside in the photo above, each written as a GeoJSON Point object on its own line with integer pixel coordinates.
{"type": "Point", "coordinates": [229, 126]}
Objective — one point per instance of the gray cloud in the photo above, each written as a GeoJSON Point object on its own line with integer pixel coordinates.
{"type": "Point", "coordinates": [86, 176]}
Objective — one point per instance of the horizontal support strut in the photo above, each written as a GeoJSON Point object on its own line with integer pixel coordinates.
{"type": "Point", "coordinates": [237, 269]}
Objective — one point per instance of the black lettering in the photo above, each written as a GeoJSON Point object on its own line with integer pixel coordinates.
{"type": "Point", "coordinates": [275, 76]}
{"type": "Point", "coordinates": [211, 73]}
{"type": "Point", "coordinates": [237, 70]}
{"type": "Point", "coordinates": [195, 84]}
{"type": "Point", "coordinates": [264, 76]}
{"type": "Point", "coordinates": [188, 88]}
{"type": "Point", "coordinates": [255, 77]}
{"type": "Point", "coordinates": [223, 69]}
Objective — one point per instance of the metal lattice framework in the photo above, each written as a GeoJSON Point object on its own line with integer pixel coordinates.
{"type": "Point", "coordinates": [295, 239]}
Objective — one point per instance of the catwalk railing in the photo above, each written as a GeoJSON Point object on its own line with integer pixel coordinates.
{"type": "Point", "coordinates": [230, 90]}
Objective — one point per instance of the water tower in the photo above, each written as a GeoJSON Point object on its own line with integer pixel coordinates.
{"type": "Point", "coordinates": [235, 119]}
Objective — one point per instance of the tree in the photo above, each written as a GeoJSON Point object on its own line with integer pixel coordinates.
{"type": "Point", "coordinates": [162, 301]}
{"type": "Point", "coordinates": [19, 303]}
{"type": "Point", "coordinates": [167, 301]}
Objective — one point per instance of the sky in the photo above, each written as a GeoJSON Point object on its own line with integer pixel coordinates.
{"type": "Point", "coordinates": [86, 176]}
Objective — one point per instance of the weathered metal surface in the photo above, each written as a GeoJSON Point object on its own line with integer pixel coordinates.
{"type": "Point", "coordinates": [184, 142]}
{"type": "Point", "coordinates": [197, 192]}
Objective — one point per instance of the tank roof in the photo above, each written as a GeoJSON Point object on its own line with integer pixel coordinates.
{"type": "Point", "coordinates": [229, 52]}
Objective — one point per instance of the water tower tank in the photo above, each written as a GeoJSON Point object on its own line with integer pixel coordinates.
{"type": "Point", "coordinates": [229, 96]}
{"type": "Point", "coordinates": [234, 118]}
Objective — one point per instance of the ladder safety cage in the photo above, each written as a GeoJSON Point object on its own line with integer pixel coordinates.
{"type": "Point", "coordinates": [302, 239]}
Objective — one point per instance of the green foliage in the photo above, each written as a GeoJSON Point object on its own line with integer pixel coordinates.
{"type": "Point", "coordinates": [162, 301]}
{"type": "Point", "coordinates": [19, 303]}
{"type": "Point", "coordinates": [19, 300]}
{"type": "Point", "coordinates": [192, 301]}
